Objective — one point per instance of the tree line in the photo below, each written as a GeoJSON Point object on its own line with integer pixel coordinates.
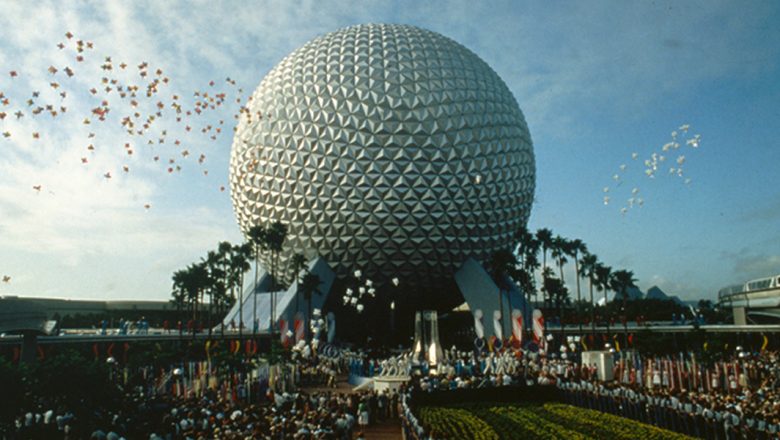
{"type": "Point", "coordinates": [220, 276]}
{"type": "Point", "coordinates": [521, 264]}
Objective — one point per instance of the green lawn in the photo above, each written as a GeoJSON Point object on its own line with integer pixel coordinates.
{"type": "Point", "coordinates": [532, 421]}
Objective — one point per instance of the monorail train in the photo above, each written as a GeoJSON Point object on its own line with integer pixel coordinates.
{"type": "Point", "coordinates": [772, 282]}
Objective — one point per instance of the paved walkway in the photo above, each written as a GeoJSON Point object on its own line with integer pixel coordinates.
{"type": "Point", "coordinates": [388, 430]}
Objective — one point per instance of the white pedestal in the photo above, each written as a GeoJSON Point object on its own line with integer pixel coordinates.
{"type": "Point", "coordinates": [390, 383]}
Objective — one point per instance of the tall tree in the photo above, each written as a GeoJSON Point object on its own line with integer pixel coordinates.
{"type": "Point", "coordinates": [198, 281]}
{"type": "Point", "coordinates": [557, 291]}
{"type": "Point", "coordinates": [589, 263]}
{"type": "Point", "coordinates": [275, 236]}
{"type": "Point", "coordinates": [190, 290]}
{"type": "Point", "coordinates": [225, 250]}
{"type": "Point", "coordinates": [257, 237]}
{"type": "Point", "coordinates": [576, 248]}
{"type": "Point", "coordinates": [603, 278]}
{"type": "Point", "coordinates": [213, 286]}
{"type": "Point", "coordinates": [559, 249]}
{"type": "Point", "coordinates": [239, 264]}
{"type": "Point", "coordinates": [544, 237]}
{"type": "Point", "coordinates": [179, 291]}
{"type": "Point", "coordinates": [621, 281]}
{"type": "Point", "coordinates": [527, 252]}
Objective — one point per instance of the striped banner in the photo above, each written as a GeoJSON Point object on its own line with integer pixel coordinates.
{"type": "Point", "coordinates": [517, 326]}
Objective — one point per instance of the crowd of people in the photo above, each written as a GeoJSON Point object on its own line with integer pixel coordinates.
{"type": "Point", "coordinates": [170, 406]}
{"type": "Point", "coordinates": [736, 397]}
{"type": "Point", "coordinates": [315, 415]}
{"type": "Point", "coordinates": [742, 404]}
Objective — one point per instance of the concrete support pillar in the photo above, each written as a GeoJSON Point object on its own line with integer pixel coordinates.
{"type": "Point", "coordinates": [740, 317]}
{"type": "Point", "coordinates": [29, 353]}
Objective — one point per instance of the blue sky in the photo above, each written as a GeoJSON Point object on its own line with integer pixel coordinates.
{"type": "Point", "coordinates": [597, 81]}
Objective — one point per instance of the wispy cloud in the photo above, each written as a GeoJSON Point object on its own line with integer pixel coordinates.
{"type": "Point", "coordinates": [768, 212]}
{"type": "Point", "coordinates": [749, 265]}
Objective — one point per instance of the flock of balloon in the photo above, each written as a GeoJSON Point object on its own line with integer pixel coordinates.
{"type": "Point", "coordinates": [145, 105]}
{"type": "Point", "coordinates": [149, 118]}
{"type": "Point", "coordinates": [356, 297]}
{"type": "Point", "coordinates": [668, 160]}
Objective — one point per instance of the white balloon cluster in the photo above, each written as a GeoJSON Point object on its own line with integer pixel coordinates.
{"type": "Point", "coordinates": [573, 342]}
{"type": "Point", "coordinates": [365, 289]}
{"type": "Point", "coordinates": [303, 349]}
{"type": "Point", "coordinates": [658, 160]}
{"type": "Point", "coordinates": [317, 323]}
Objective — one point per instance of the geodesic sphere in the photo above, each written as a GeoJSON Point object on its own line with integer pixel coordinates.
{"type": "Point", "coordinates": [385, 148]}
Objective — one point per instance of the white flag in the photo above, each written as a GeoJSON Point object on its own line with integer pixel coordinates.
{"type": "Point", "coordinates": [479, 329]}
{"type": "Point", "coordinates": [497, 324]}
{"type": "Point", "coordinates": [299, 328]}
{"type": "Point", "coordinates": [517, 325]}
{"type": "Point", "coordinates": [538, 326]}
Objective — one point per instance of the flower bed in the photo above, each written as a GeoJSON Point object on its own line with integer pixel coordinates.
{"type": "Point", "coordinates": [538, 421]}
{"type": "Point", "coordinates": [457, 423]}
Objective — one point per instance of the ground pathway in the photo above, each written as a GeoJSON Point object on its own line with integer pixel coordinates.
{"type": "Point", "coordinates": [388, 430]}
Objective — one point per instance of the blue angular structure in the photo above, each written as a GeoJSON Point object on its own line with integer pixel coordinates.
{"type": "Point", "coordinates": [481, 293]}
{"type": "Point", "coordinates": [286, 304]}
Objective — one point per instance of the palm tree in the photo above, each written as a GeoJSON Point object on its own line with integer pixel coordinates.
{"type": "Point", "coordinates": [529, 265]}
{"type": "Point", "coordinates": [558, 250]}
{"type": "Point", "coordinates": [556, 290]}
{"type": "Point", "coordinates": [225, 250]}
{"type": "Point", "coordinates": [191, 290]}
{"type": "Point", "coordinates": [589, 262]}
{"type": "Point", "coordinates": [547, 274]}
{"type": "Point", "coordinates": [527, 279]}
{"type": "Point", "coordinates": [179, 291]}
{"type": "Point", "coordinates": [211, 263]}
{"type": "Point", "coordinates": [239, 264]}
{"type": "Point", "coordinates": [603, 277]}
{"type": "Point", "coordinates": [201, 280]}
{"type": "Point", "coordinates": [197, 282]}
{"type": "Point", "coordinates": [256, 236]}
{"type": "Point", "coordinates": [544, 237]}
{"type": "Point", "coordinates": [274, 240]}
{"type": "Point", "coordinates": [577, 247]}
{"type": "Point", "coordinates": [297, 263]}
{"type": "Point", "coordinates": [527, 252]}
{"type": "Point", "coordinates": [309, 286]}
{"type": "Point", "coordinates": [621, 281]}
